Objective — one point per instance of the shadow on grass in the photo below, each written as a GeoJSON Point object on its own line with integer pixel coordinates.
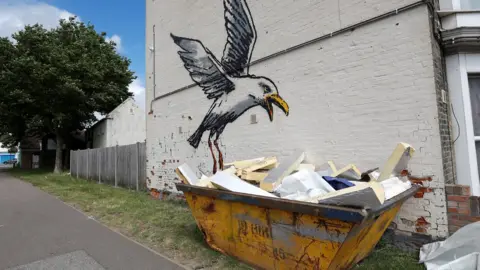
{"type": "Point", "coordinates": [167, 226]}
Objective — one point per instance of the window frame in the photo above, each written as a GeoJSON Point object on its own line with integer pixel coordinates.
{"type": "Point", "coordinates": [476, 138]}
{"type": "Point", "coordinates": [459, 68]}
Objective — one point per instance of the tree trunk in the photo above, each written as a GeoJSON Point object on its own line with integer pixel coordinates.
{"type": "Point", "coordinates": [66, 158]}
{"type": "Point", "coordinates": [58, 154]}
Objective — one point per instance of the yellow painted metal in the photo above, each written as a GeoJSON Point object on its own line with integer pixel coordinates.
{"type": "Point", "coordinates": [269, 238]}
{"type": "Point", "coordinates": [364, 238]}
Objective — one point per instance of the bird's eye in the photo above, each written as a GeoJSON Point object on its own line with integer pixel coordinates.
{"type": "Point", "coordinates": [266, 89]}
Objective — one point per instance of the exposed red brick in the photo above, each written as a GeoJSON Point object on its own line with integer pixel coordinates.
{"type": "Point", "coordinates": [421, 224]}
{"type": "Point", "coordinates": [421, 230]}
{"type": "Point", "coordinates": [449, 189]}
{"type": "Point", "coordinates": [421, 221]}
{"type": "Point", "coordinates": [421, 191]}
{"type": "Point", "coordinates": [452, 216]}
{"type": "Point", "coordinates": [461, 190]}
{"type": "Point", "coordinates": [464, 211]}
{"type": "Point", "coordinates": [467, 218]}
{"type": "Point", "coordinates": [452, 210]}
{"type": "Point", "coordinates": [427, 190]}
{"type": "Point", "coordinates": [458, 222]}
{"type": "Point", "coordinates": [452, 228]}
{"type": "Point", "coordinates": [457, 198]}
{"type": "Point", "coordinates": [416, 182]}
{"type": "Point", "coordinates": [420, 178]}
{"type": "Point", "coordinates": [154, 193]}
{"type": "Point", "coordinates": [419, 194]}
{"type": "Point", "coordinates": [415, 179]}
{"type": "Point", "coordinates": [457, 190]}
{"type": "Point", "coordinates": [452, 204]}
{"type": "Point", "coordinates": [464, 205]}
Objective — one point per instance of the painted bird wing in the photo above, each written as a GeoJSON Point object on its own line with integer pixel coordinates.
{"type": "Point", "coordinates": [241, 37]}
{"type": "Point", "coordinates": [203, 67]}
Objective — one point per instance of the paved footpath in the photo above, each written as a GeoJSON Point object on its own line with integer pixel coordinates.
{"type": "Point", "coordinates": [38, 231]}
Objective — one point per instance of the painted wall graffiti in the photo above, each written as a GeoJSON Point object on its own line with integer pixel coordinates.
{"type": "Point", "coordinates": [228, 82]}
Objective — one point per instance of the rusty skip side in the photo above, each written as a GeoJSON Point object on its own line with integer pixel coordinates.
{"type": "Point", "coordinates": [393, 202]}
{"type": "Point", "coordinates": [328, 211]}
{"type": "Point", "coordinates": [280, 234]}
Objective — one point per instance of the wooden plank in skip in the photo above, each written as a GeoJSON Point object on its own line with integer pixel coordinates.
{"type": "Point", "coordinates": [285, 168]}
{"type": "Point", "coordinates": [268, 163]}
{"type": "Point", "coordinates": [254, 176]}
{"type": "Point", "coordinates": [397, 162]}
{"type": "Point", "coordinates": [240, 164]}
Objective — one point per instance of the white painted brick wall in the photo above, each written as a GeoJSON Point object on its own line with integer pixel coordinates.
{"type": "Point", "coordinates": [352, 97]}
{"type": "Point", "coordinates": [280, 24]}
{"type": "Point", "coordinates": [126, 126]}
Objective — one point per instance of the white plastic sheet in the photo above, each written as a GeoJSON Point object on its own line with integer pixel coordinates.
{"type": "Point", "coordinates": [394, 186]}
{"type": "Point", "coordinates": [459, 251]}
{"type": "Point", "coordinates": [303, 185]}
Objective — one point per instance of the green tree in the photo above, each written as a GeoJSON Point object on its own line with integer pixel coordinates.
{"type": "Point", "coordinates": [13, 101]}
{"type": "Point", "coordinates": [60, 77]}
{"type": "Point", "coordinates": [12, 150]}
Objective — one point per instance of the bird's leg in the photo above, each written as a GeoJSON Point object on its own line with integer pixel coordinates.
{"type": "Point", "coordinates": [213, 155]}
{"type": "Point", "coordinates": [220, 156]}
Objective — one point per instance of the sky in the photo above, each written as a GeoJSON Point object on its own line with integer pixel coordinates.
{"type": "Point", "coordinates": [123, 21]}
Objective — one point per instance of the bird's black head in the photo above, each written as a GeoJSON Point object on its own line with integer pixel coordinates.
{"type": "Point", "coordinates": [265, 92]}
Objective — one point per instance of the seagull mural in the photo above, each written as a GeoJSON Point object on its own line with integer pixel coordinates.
{"type": "Point", "coordinates": [228, 82]}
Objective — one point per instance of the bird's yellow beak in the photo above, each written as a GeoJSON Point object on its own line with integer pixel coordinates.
{"type": "Point", "coordinates": [278, 101]}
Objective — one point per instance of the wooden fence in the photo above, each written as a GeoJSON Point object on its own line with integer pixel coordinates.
{"type": "Point", "coordinates": [117, 166]}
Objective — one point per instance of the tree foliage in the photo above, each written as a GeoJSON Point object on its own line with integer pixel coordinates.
{"type": "Point", "coordinates": [12, 121]}
{"type": "Point", "coordinates": [53, 80]}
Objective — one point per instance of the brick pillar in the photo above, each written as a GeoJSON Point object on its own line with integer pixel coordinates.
{"type": "Point", "coordinates": [462, 209]}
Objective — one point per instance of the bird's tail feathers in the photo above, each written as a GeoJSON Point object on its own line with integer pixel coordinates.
{"type": "Point", "coordinates": [195, 139]}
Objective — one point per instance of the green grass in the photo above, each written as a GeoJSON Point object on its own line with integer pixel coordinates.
{"type": "Point", "coordinates": [386, 256]}
{"type": "Point", "coordinates": [167, 226]}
